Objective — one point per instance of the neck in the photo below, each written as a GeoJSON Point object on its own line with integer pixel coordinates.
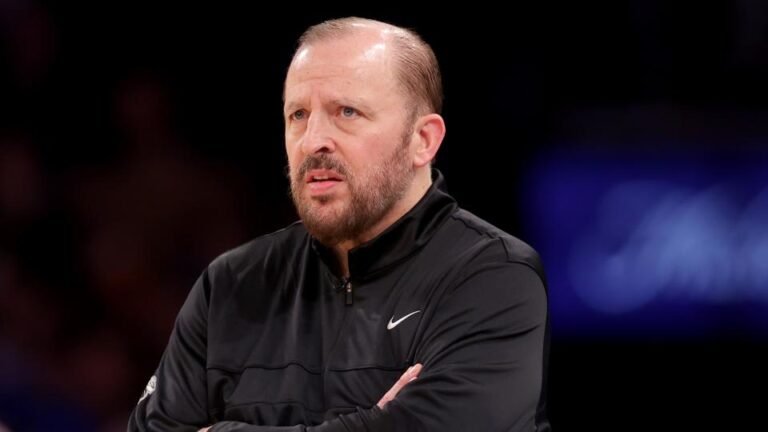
{"type": "Point", "coordinates": [421, 183]}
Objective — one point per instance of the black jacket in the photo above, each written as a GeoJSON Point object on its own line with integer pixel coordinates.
{"type": "Point", "coordinates": [271, 340]}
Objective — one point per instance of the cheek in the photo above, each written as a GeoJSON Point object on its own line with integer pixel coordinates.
{"type": "Point", "coordinates": [380, 147]}
{"type": "Point", "coordinates": [291, 153]}
{"type": "Point", "coordinates": [293, 164]}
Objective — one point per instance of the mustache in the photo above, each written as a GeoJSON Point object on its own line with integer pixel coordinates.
{"type": "Point", "coordinates": [321, 161]}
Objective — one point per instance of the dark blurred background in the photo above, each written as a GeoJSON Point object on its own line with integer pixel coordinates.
{"type": "Point", "coordinates": [627, 141]}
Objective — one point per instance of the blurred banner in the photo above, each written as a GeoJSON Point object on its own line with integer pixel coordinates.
{"type": "Point", "coordinates": [652, 245]}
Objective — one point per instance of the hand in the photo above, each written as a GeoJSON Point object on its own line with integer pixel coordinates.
{"type": "Point", "coordinates": [405, 378]}
{"type": "Point", "coordinates": [204, 429]}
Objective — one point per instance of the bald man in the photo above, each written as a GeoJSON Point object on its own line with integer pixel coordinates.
{"type": "Point", "coordinates": [386, 307]}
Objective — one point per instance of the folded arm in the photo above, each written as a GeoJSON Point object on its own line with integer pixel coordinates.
{"type": "Point", "coordinates": [483, 357]}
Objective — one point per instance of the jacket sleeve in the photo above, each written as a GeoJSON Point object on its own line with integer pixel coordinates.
{"type": "Point", "coordinates": [483, 355]}
{"type": "Point", "coordinates": [372, 419]}
{"type": "Point", "coordinates": [176, 397]}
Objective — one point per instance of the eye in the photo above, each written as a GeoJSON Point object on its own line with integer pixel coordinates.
{"type": "Point", "coordinates": [348, 112]}
{"type": "Point", "coordinates": [298, 115]}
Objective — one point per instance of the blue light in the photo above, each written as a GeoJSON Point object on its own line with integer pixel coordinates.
{"type": "Point", "coordinates": [652, 246]}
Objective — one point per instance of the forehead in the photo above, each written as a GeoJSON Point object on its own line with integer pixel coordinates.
{"type": "Point", "coordinates": [360, 64]}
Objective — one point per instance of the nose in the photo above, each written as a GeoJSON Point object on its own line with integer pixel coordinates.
{"type": "Point", "coordinates": [318, 135]}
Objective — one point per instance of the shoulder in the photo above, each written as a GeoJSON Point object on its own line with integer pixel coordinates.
{"type": "Point", "coordinates": [262, 253]}
{"type": "Point", "coordinates": [495, 274]}
{"type": "Point", "coordinates": [484, 244]}
{"type": "Point", "coordinates": [489, 276]}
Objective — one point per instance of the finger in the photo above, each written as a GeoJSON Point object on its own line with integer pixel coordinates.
{"type": "Point", "coordinates": [415, 372]}
{"type": "Point", "coordinates": [409, 375]}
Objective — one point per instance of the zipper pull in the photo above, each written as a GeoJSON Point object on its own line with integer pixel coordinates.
{"type": "Point", "coordinates": [348, 294]}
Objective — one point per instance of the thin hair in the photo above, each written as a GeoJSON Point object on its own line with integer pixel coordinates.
{"type": "Point", "coordinates": [417, 68]}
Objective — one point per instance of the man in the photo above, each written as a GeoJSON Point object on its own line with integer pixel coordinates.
{"type": "Point", "coordinates": [387, 308]}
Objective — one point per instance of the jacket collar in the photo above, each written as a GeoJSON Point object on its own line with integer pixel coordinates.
{"type": "Point", "coordinates": [401, 239]}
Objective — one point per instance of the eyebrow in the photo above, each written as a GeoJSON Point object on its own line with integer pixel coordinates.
{"type": "Point", "coordinates": [290, 107]}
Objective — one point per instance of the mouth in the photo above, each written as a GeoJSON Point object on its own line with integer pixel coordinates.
{"type": "Point", "coordinates": [322, 175]}
{"type": "Point", "coordinates": [321, 181]}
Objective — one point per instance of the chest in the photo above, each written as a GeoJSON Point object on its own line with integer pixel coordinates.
{"type": "Point", "coordinates": [302, 352]}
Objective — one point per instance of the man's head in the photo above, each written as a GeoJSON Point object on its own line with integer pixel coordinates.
{"type": "Point", "coordinates": [362, 124]}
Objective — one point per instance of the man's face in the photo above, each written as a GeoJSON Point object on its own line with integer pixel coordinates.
{"type": "Point", "coordinates": [347, 134]}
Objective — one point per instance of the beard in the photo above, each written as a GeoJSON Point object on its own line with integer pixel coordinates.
{"type": "Point", "coordinates": [372, 194]}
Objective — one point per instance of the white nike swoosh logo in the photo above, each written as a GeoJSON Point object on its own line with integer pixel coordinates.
{"type": "Point", "coordinates": [393, 324]}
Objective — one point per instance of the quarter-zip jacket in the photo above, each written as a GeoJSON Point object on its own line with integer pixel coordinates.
{"type": "Point", "coordinates": [271, 340]}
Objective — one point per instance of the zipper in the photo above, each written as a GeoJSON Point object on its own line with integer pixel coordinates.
{"type": "Point", "coordinates": [340, 284]}
{"type": "Point", "coordinates": [346, 285]}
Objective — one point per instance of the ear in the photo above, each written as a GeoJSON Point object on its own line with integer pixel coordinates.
{"type": "Point", "coordinates": [428, 132]}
